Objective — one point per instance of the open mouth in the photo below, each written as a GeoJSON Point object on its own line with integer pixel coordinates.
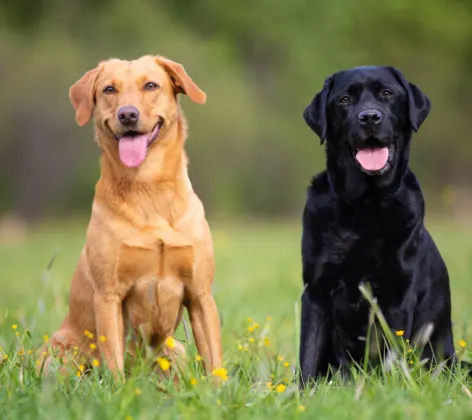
{"type": "Point", "coordinates": [133, 145]}
{"type": "Point", "coordinates": [374, 160]}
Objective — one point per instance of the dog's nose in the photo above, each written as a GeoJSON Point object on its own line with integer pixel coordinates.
{"type": "Point", "coordinates": [128, 115]}
{"type": "Point", "coordinates": [370, 117]}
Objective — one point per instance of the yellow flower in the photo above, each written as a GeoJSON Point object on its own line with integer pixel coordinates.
{"type": "Point", "coordinates": [411, 362]}
{"type": "Point", "coordinates": [170, 342]}
{"type": "Point", "coordinates": [240, 347]}
{"type": "Point", "coordinates": [164, 364]}
{"type": "Point", "coordinates": [462, 344]}
{"type": "Point", "coordinates": [81, 368]}
{"type": "Point", "coordinates": [30, 352]}
{"type": "Point", "coordinates": [198, 358]}
{"type": "Point", "coordinates": [266, 342]}
{"type": "Point", "coordinates": [5, 356]}
{"type": "Point", "coordinates": [269, 385]}
{"type": "Point", "coordinates": [251, 339]}
{"type": "Point", "coordinates": [221, 373]}
{"type": "Point", "coordinates": [21, 352]}
{"type": "Point", "coordinates": [14, 326]}
{"type": "Point", "coordinates": [37, 362]}
{"type": "Point", "coordinates": [193, 381]}
{"type": "Point", "coordinates": [96, 363]}
{"type": "Point", "coordinates": [88, 334]}
{"type": "Point", "coordinates": [280, 358]}
{"type": "Point", "coordinates": [399, 333]}
{"type": "Point", "coordinates": [250, 320]}
{"type": "Point", "coordinates": [255, 325]}
{"type": "Point", "coordinates": [269, 318]}
{"type": "Point", "coordinates": [17, 333]}
{"type": "Point", "coordinates": [103, 338]}
{"type": "Point", "coordinates": [46, 338]}
{"type": "Point", "coordinates": [280, 388]}
{"type": "Point", "coordinates": [93, 346]}
{"type": "Point", "coordinates": [250, 328]}
{"type": "Point", "coordinates": [79, 374]}
{"type": "Point", "coordinates": [287, 364]}
{"type": "Point", "coordinates": [301, 408]}
{"type": "Point", "coordinates": [137, 391]}
{"type": "Point", "coordinates": [128, 417]}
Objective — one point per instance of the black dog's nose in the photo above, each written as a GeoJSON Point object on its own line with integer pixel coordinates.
{"type": "Point", "coordinates": [128, 115]}
{"type": "Point", "coordinates": [370, 117]}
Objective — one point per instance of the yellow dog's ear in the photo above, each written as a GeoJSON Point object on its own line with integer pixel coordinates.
{"type": "Point", "coordinates": [81, 94]}
{"type": "Point", "coordinates": [181, 80]}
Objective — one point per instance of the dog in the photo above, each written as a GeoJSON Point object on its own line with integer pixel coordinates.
{"type": "Point", "coordinates": [363, 224]}
{"type": "Point", "coordinates": [148, 250]}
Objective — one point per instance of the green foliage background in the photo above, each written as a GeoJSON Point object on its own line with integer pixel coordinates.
{"type": "Point", "coordinates": [260, 63]}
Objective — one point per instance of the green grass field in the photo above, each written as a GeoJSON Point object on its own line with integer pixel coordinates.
{"type": "Point", "coordinates": [257, 288]}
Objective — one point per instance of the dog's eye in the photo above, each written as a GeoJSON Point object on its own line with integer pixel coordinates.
{"type": "Point", "coordinates": [151, 86]}
{"type": "Point", "coordinates": [386, 93]}
{"type": "Point", "coordinates": [345, 100]}
{"type": "Point", "coordinates": [108, 90]}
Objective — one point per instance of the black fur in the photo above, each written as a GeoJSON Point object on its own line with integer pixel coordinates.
{"type": "Point", "coordinates": [367, 227]}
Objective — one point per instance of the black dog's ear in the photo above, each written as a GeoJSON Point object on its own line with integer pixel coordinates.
{"type": "Point", "coordinates": [419, 104]}
{"type": "Point", "coordinates": [315, 113]}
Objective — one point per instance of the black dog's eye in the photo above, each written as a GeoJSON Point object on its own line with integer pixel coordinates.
{"type": "Point", "coordinates": [108, 90]}
{"type": "Point", "coordinates": [151, 86]}
{"type": "Point", "coordinates": [386, 93]}
{"type": "Point", "coordinates": [345, 100]}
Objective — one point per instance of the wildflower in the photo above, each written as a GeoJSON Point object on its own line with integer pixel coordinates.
{"type": "Point", "coordinates": [399, 333]}
{"type": "Point", "coordinates": [170, 342]}
{"type": "Point", "coordinates": [14, 326]}
{"type": "Point", "coordinates": [198, 358]}
{"type": "Point", "coordinates": [280, 358]}
{"type": "Point", "coordinates": [269, 318]}
{"type": "Point", "coordinates": [287, 364]}
{"type": "Point", "coordinates": [164, 364]}
{"type": "Point", "coordinates": [301, 408]}
{"type": "Point", "coordinates": [79, 374]}
{"type": "Point", "coordinates": [250, 329]}
{"type": "Point", "coordinates": [93, 346]}
{"type": "Point", "coordinates": [46, 338]}
{"type": "Point", "coordinates": [221, 373]}
{"type": "Point", "coordinates": [193, 381]}
{"type": "Point", "coordinates": [255, 325]}
{"type": "Point", "coordinates": [88, 334]}
{"type": "Point", "coordinates": [250, 320]}
{"type": "Point", "coordinates": [251, 339]}
{"type": "Point", "coordinates": [37, 362]}
{"type": "Point", "coordinates": [5, 356]}
{"type": "Point", "coordinates": [269, 385]}
{"type": "Point", "coordinates": [266, 342]}
{"type": "Point", "coordinates": [103, 338]}
{"type": "Point", "coordinates": [81, 368]}
{"type": "Point", "coordinates": [240, 347]}
{"type": "Point", "coordinates": [21, 352]}
{"type": "Point", "coordinates": [17, 333]}
{"type": "Point", "coordinates": [30, 352]}
{"type": "Point", "coordinates": [96, 363]}
{"type": "Point", "coordinates": [280, 388]}
{"type": "Point", "coordinates": [411, 362]}
{"type": "Point", "coordinates": [128, 417]}
{"type": "Point", "coordinates": [137, 392]}
{"type": "Point", "coordinates": [462, 344]}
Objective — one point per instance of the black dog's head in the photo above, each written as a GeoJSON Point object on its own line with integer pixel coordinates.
{"type": "Point", "coordinates": [367, 115]}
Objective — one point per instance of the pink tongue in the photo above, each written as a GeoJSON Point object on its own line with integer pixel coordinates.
{"type": "Point", "coordinates": [372, 159]}
{"type": "Point", "coordinates": [133, 150]}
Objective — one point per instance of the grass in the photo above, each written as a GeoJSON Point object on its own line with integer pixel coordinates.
{"type": "Point", "coordinates": [257, 288]}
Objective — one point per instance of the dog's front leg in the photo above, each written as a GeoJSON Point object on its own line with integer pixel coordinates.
{"type": "Point", "coordinates": [205, 323]}
{"type": "Point", "coordinates": [316, 350]}
{"type": "Point", "coordinates": [110, 330]}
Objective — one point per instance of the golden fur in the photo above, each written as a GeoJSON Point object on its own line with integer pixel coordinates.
{"type": "Point", "coordinates": [148, 249]}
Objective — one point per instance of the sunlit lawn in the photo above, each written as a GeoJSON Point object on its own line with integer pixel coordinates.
{"type": "Point", "coordinates": [257, 288]}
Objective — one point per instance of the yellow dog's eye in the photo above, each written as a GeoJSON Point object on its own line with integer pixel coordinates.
{"type": "Point", "coordinates": [345, 100]}
{"type": "Point", "coordinates": [151, 86]}
{"type": "Point", "coordinates": [109, 90]}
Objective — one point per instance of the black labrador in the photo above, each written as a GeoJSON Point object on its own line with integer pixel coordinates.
{"type": "Point", "coordinates": [363, 223]}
